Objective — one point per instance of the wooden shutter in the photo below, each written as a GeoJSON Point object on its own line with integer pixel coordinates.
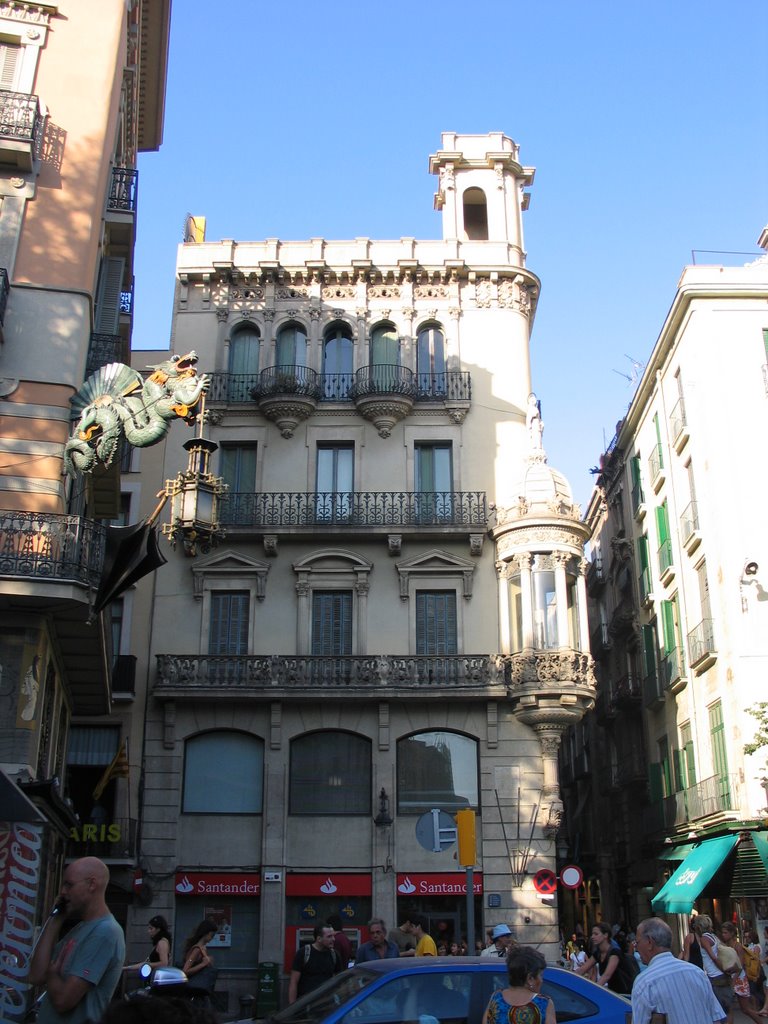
{"type": "Point", "coordinates": [642, 552]}
{"type": "Point", "coordinates": [662, 523]}
{"type": "Point", "coordinates": [229, 623]}
{"type": "Point", "coordinates": [331, 622]}
{"type": "Point", "coordinates": [655, 784]}
{"type": "Point", "coordinates": [668, 625]}
{"type": "Point", "coordinates": [436, 632]}
{"type": "Point", "coordinates": [107, 313]}
{"type": "Point", "coordinates": [10, 62]}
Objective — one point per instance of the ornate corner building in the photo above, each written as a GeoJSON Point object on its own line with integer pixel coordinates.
{"type": "Point", "coordinates": [395, 622]}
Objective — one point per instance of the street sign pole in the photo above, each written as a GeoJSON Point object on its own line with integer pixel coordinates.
{"type": "Point", "coordinates": [470, 911]}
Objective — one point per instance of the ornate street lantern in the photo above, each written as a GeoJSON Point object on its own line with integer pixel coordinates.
{"type": "Point", "coordinates": [195, 496]}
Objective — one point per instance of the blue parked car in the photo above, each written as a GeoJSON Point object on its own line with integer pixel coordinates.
{"type": "Point", "coordinates": [442, 990]}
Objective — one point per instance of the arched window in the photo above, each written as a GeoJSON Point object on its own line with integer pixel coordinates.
{"type": "Point", "coordinates": [223, 773]}
{"type": "Point", "coordinates": [430, 360]}
{"type": "Point", "coordinates": [475, 215]}
{"type": "Point", "coordinates": [338, 356]}
{"type": "Point", "coordinates": [544, 611]}
{"type": "Point", "coordinates": [292, 346]}
{"type": "Point", "coordinates": [436, 769]}
{"type": "Point", "coordinates": [330, 774]}
{"type": "Point", "coordinates": [244, 354]}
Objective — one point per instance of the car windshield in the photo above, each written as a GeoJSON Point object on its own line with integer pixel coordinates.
{"type": "Point", "coordinates": [330, 995]}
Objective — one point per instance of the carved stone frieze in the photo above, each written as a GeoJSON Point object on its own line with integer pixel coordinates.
{"type": "Point", "coordinates": [483, 294]}
{"type": "Point", "coordinates": [430, 291]}
{"type": "Point", "coordinates": [251, 293]}
{"type": "Point", "coordinates": [394, 544]}
{"type": "Point", "coordinates": [338, 291]}
{"type": "Point", "coordinates": [31, 13]}
{"type": "Point", "coordinates": [383, 291]}
{"type": "Point", "coordinates": [270, 544]}
{"type": "Point", "coordinates": [456, 414]}
{"type": "Point", "coordinates": [292, 292]}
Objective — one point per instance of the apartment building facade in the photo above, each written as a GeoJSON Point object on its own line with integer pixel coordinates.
{"type": "Point", "coordinates": [394, 626]}
{"type": "Point", "coordinates": [677, 618]}
{"type": "Point", "coordinates": [81, 94]}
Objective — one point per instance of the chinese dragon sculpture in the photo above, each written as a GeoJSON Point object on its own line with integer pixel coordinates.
{"type": "Point", "coordinates": [116, 402]}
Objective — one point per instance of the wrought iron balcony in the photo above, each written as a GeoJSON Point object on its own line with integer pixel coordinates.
{"type": "Point", "coordinates": [123, 190]}
{"type": "Point", "coordinates": [689, 527]}
{"type": "Point", "coordinates": [656, 465]}
{"type": "Point", "coordinates": [666, 559]}
{"type": "Point", "coordinates": [50, 547]}
{"type": "Point", "coordinates": [451, 386]}
{"type": "Point", "coordinates": [383, 379]}
{"type": "Point", "coordinates": [719, 794]}
{"type": "Point", "coordinates": [21, 128]}
{"type": "Point", "coordinates": [701, 645]}
{"type": "Point", "coordinates": [678, 425]}
{"type": "Point", "coordinates": [354, 510]}
{"type": "Point", "coordinates": [103, 349]}
{"type": "Point", "coordinates": [287, 380]}
{"type": "Point", "coordinates": [5, 291]}
{"type": "Point", "coordinates": [335, 387]}
{"type": "Point", "coordinates": [672, 668]}
{"type": "Point", "coordinates": [197, 675]}
{"type": "Point", "coordinates": [627, 692]}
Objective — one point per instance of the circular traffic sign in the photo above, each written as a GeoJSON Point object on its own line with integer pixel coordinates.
{"type": "Point", "coordinates": [545, 882]}
{"type": "Point", "coordinates": [571, 876]}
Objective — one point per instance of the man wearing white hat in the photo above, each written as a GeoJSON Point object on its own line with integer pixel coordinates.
{"type": "Point", "coordinates": [502, 940]}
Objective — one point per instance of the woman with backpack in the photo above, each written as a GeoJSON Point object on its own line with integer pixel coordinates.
{"type": "Point", "coordinates": [740, 981]}
{"type": "Point", "coordinates": [614, 970]}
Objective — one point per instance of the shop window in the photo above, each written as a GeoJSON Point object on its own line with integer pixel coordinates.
{"type": "Point", "coordinates": [436, 769]}
{"type": "Point", "coordinates": [223, 773]}
{"type": "Point", "coordinates": [330, 774]}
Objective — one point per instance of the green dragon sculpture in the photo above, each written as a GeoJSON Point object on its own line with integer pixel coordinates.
{"type": "Point", "coordinates": [116, 401]}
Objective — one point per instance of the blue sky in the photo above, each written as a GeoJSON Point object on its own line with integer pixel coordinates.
{"type": "Point", "coordinates": [647, 124]}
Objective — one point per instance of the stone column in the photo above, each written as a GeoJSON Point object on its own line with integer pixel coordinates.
{"type": "Point", "coordinates": [502, 574]}
{"type": "Point", "coordinates": [315, 354]}
{"type": "Point", "coordinates": [363, 357]}
{"type": "Point", "coordinates": [581, 597]}
{"type": "Point", "coordinates": [526, 590]}
{"type": "Point", "coordinates": [302, 614]}
{"type": "Point", "coordinates": [361, 590]}
{"type": "Point", "coordinates": [560, 560]}
{"type": "Point", "coordinates": [269, 340]}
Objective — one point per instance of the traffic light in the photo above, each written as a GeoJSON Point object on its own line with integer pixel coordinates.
{"type": "Point", "coordinates": [465, 827]}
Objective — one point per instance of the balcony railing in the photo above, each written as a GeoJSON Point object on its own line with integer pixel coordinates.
{"type": "Point", "coordinates": [701, 643]}
{"type": "Point", "coordinates": [719, 794]}
{"type": "Point", "coordinates": [355, 509]}
{"type": "Point", "coordinates": [672, 667]}
{"type": "Point", "coordinates": [451, 386]}
{"type": "Point", "coordinates": [653, 695]}
{"type": "Point", "coordinates": [383, 379]}
{"type": "Point", "coordinates": [665, 556]}
{"type": "Point", "coordinates": [677, 421]}
{"type": "Point", "coordinates": [646, 584]}
{"type": "Point", "coordinates": [200, 673]}
{"type": "Point", "coordinates": [287, 380]}
{"type": "Point", "coordinates": [5, 291]}
{"type": "Point", "coordinates": [689, 521]}
{"type": "Point", "coordinates": [103, 349]}
{"type": "Point", "coordinates": [627, 691]}
{"type": "Point", "coordinates": [51, 547]}
{"type": "Point", "coordinates": [637, 498]}
{"type": "Point", "coordinates": [123, 190]}
{"type": "Point", "coordinates": [656, 462]}
{"type": "Point", "coordinates": [20, 118]}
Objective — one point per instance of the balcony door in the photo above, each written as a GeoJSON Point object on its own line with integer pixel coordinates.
{"type": "Point", "coordinates": [385, 358]}
{"type": "Point", "coordinates": [335, 483]}
{"type": "Point", "coordinates": [331, 635]}
{"type": "Point", "coordinates": [244, 355]}
{"type": "Point", "coordinates": [433, 478]}
{"type": "Point", "coordinates": [291, 348]}
{"type": "Point", "coordinates": [430, 361]}
{"type": "Point", "coordinates": [238, 468]}
{"type": "Point", "coordinates": [228, 634]}
{"type": "Point", "coordinates": [338, 356]}
{"type": "Point", "coordinates": [436, 632]}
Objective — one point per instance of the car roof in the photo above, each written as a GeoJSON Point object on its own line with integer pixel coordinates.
{"type": "Point", "coordinates": [427, 963]}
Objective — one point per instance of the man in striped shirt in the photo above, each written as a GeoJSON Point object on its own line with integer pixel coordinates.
{"type": "Point", "coordinates": [677, 989]}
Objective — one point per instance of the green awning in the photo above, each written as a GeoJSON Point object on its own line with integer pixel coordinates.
{"type": "Point", "coordinates": [677, 896]}
{"type": "Point", "coordinates": [760, 839]}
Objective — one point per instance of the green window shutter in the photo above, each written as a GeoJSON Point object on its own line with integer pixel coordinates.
{"type": "Point", "coordinates": [634, 470]}
{"type": "Point", "coordinates": [436, 632]}
{"type": "Point", "coordinates": [668, 625]}
{"type": "Point", "coordinates": [720, 752]}
{"type": "Point", "coordinates": [662, 522]}
{"type": "Point", "coordinates": [649, 650]}
{"type": "Point", "coordinates": [642, 552]}
{"type": "Point", "coordinates": [655, 784]}
{"type": "Point", "coordinates": [678, 764]}
{"type": "Point", "coordinates": [765, 343]}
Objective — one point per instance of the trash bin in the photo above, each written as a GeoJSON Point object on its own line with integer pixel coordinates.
{"type": "Point", "coordinates": [267, 977]}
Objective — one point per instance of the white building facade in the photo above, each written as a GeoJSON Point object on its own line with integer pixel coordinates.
{"type": "Point", "coordinates": [678, 615]}
{"type": "Point", "coordinates": [395, 622]}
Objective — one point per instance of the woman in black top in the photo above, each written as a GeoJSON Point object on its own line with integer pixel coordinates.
{"type": "Point", "coordinates": [607, 957]}
{"type": "Point", "coordinates": [160, 937]}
